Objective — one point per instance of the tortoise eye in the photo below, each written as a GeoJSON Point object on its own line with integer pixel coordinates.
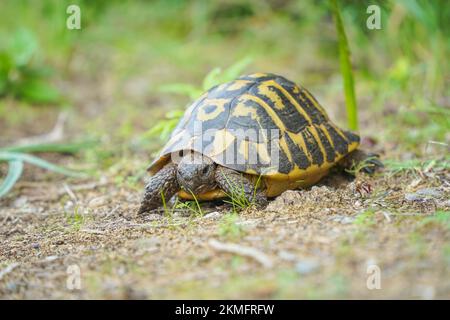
{"type": "Point", "coordinates": [205, 170]}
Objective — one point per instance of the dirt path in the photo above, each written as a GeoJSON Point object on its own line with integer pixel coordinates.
{"type": "Point", "coordinates": [326, 242]}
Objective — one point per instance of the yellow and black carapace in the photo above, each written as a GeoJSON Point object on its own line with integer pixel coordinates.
{"type": "Point", "coordinates": [243, 125]}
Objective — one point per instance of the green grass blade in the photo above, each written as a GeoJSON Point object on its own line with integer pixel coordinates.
{"type": "Point", "coordinates": [71, 148]}
{"type": "Point", "coordinates": [199, 208]}
{"type": "Point", "coordinates": [163, 199]}
{"type": "Point", "coordinates": [14, 172]}
{"type": "Point", "coordinates": [346, 69]}
{"type": "Point", "coordinates": [236, 69]}
{"type": "Point", "coordinates": [8, 156]}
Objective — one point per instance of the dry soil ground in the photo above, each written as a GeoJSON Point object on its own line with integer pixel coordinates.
{"type": "Point", "coordinates": [325, 242]}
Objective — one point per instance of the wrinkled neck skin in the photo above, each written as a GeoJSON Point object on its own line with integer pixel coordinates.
{"type": "Point", "coordinates": [196, 173]}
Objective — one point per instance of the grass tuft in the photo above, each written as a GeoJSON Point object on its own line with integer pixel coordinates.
{"type": "Point", "coordinates": [237, 196]}
{"type": "Point", "coordinates": [357, 167]}
{"type": "Point", "coordinates": [15, 157]}
{"type": "Point", "coordinates": [192, 206]}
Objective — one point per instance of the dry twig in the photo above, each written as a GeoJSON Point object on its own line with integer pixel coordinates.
{"type": "Point", "coordinates": [253, 253]}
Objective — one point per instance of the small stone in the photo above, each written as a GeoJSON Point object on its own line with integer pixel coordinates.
{"type": "Point", "coordinates": [50, 258]}
{"type": "Point", "coordinates": [153, 217]}
{"type": "Point", "coordinates": [248, 223]}
{"type": "Point", "coordinates": [286, 255]}
{"type": "Point", "coordinates": [68, 206]}
{"type": "Point", "coordinates": [430, 192]}
{"type": "Point", "coordinates": [213, 215]}
{"type": "Point", "coordinates": [306, 266]}
{"type": "Point", "coordinates": [342, 219]}
{"type": "Point", "coordinates": [35, 245]}
{"type": "Point", "coordinates": [347, 220]}
{"type": "Point", "coordinates": [12, 286]}
{"type": "Point", "coordinates": [423, 194]}
{"type": "Point", "coordinates": [412, 197]}
{"type": "Point", "coordinates": [20, 202]}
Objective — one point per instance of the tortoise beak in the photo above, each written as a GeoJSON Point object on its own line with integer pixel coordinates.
{"type": "Point", "coordinates": [197, 190]}
{"type": "Point", "coordinates": [186, 185]}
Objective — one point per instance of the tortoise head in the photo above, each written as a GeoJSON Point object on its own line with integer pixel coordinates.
{"type": "Point", "coordinates": [196, 173]}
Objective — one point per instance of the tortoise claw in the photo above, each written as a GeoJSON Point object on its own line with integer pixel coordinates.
{"type": "Point", "coordinates": [372, 164]}
{"type": "Point", "coordinates": [361, 161]}
{"type": "Point", "coordinates": [144, 208]}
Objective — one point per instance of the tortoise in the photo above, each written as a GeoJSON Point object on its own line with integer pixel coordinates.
{"type": "Point", "coordinates": [228, 139]}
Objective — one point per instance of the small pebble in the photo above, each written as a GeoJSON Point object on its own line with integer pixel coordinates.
{"type": "Point", "coordinates": [423, 194]}
{"type": "Point", "coordinates": [431, 192]}
{"type": "Point", "coordinates": [69, 205]}
{"type": "Point", "coordinates": [286, 255]}
{"type": "Point", "coordinates": [20, 202]}
{"type": "Point", "coordinates": [306, 266]}
{"type": "Point", "coordinates": [153, 217]}
{"type": "Point", "coordinates": [213, 215]}
{"type": "Point", "coordinates": [342, 219]}
{"type": "Point", "coordinates": [50, 258]}
{"type": "Point", "coordinates": [12, 286]}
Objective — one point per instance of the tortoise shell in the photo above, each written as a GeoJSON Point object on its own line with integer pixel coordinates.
{"type": "Point", "coordinates": [247, 123]}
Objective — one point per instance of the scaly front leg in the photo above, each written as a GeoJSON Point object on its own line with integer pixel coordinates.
{"type": "Point", "coordinates": [163, 182]}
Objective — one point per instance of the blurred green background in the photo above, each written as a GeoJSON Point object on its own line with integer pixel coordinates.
{"type": "Point", "coordinates": [115, 89]}
{"type": "Point", "coordinates": [126, 76]}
